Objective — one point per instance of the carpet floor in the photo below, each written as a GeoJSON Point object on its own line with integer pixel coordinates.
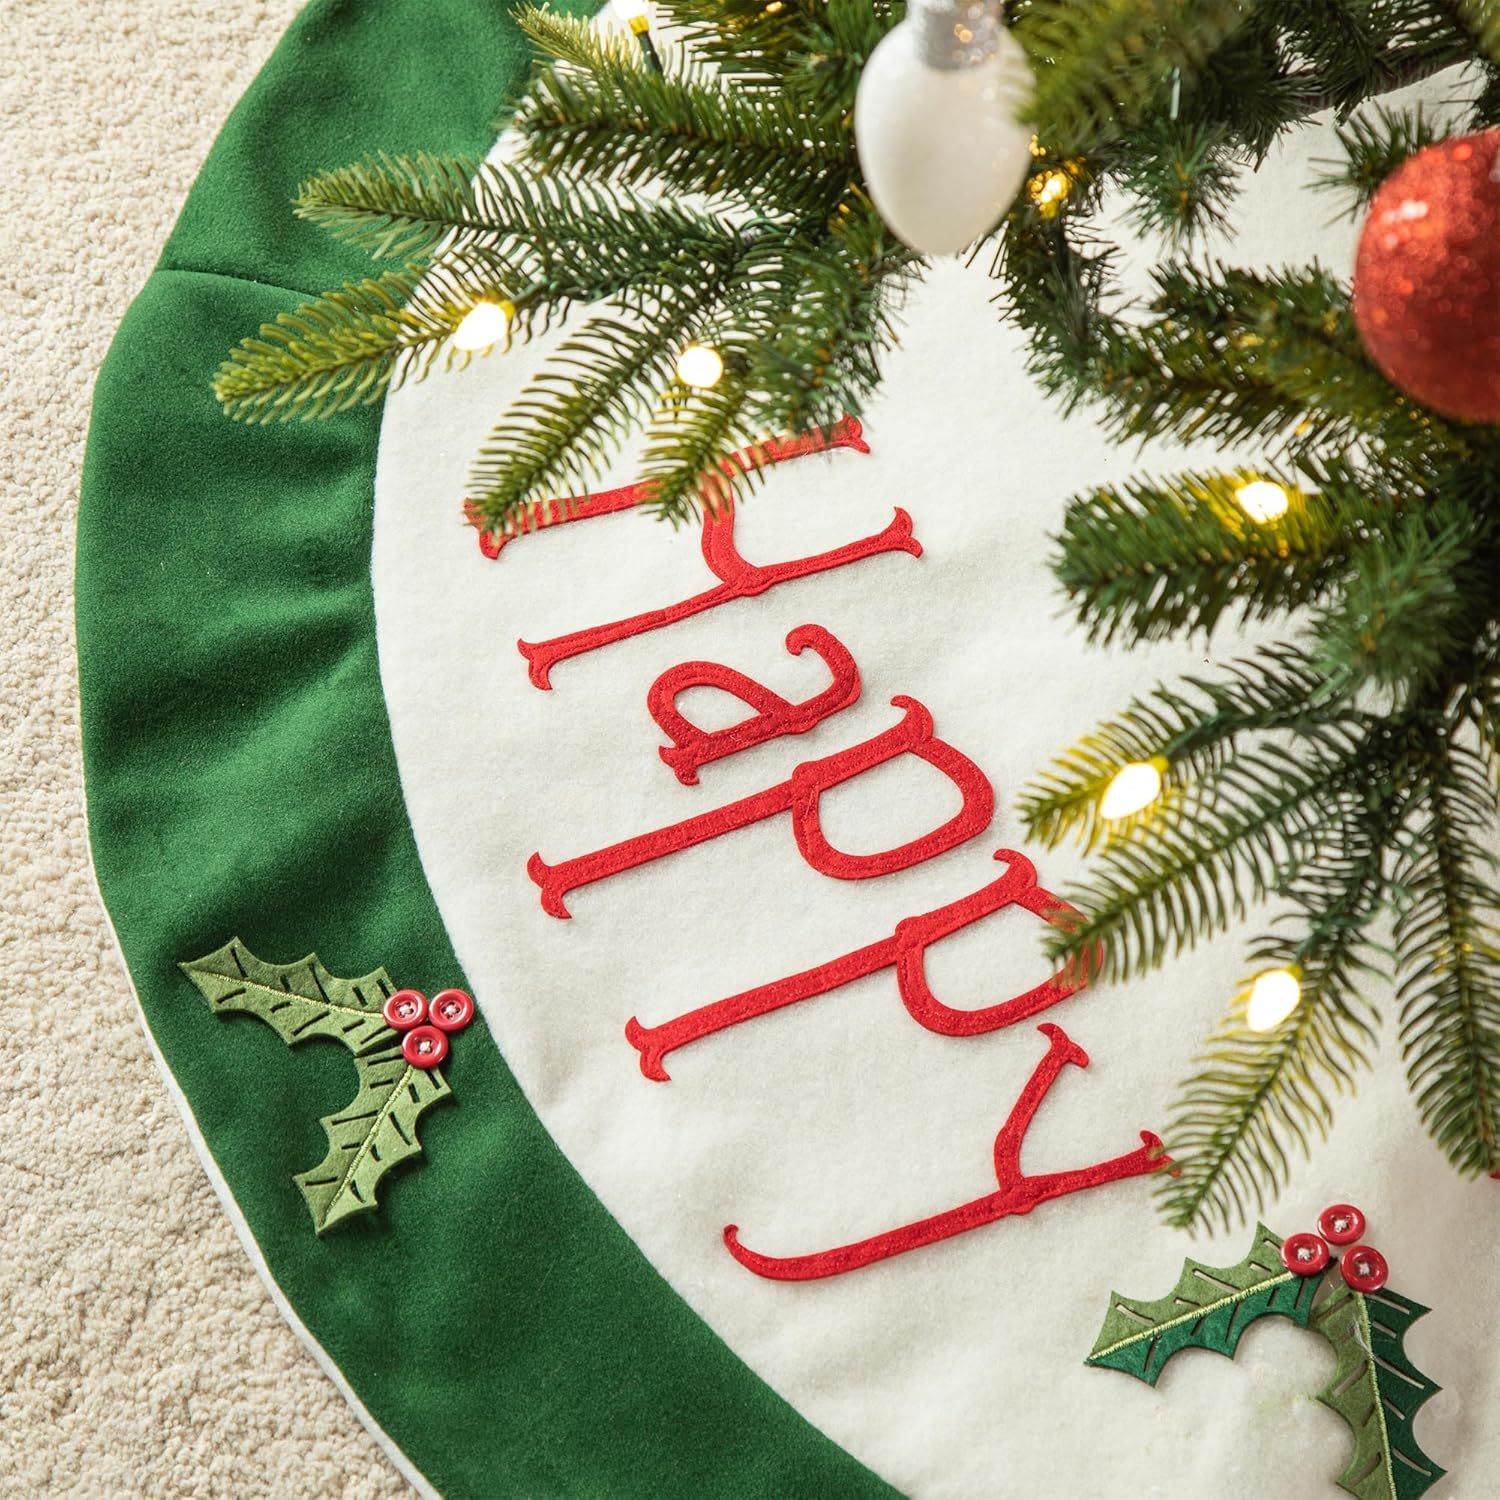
{"type": "Point", "coordinates": [139, 1354]}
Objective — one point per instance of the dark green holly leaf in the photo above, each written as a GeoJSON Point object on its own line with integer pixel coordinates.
{"type": "Point", "coordinates": [1209, 1308]}
{"type": "Point", "coordinates": [1376, 1389]}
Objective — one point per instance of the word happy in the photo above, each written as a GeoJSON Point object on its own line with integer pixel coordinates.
{"type": "Point", "coordinates": [798, 800]}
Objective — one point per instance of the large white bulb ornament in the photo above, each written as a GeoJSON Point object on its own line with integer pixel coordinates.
{"type": "Point", "coordinates": [937, 120]}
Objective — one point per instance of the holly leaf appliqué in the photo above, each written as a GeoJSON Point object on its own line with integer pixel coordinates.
{"type": "Point", "coordinates": [1209, 1308]}
{"type": "Point", "coordinates": [1377, 1390]}
{"type": "Point", "coordinates": [366, 1138]}
{"type": "Point", "coordinates": [300, 1001]}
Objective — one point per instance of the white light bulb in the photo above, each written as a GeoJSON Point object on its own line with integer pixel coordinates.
{"type": "Point", "coordinates": [630, 10]}
{"type": "Point", "coordinates": [1262, 499]}
{"type": "Point", "coordinates": [1133, 787]}
{"type": "Point", "coordinates": [484, 324]}
{"type": "Point", "coordinates": [700, 366]}
{"type": "Point", "coordinates": [937, 123]}
{"type": "Point", "coordinates": [1273, 997]}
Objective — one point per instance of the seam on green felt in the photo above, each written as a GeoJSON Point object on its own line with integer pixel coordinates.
{"type": "Point", "coordinates": [273, 286]}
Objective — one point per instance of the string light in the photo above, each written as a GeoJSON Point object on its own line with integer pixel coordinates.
{"type": "Point", "coordinates": [484, 324]}
{"type": "Point", "coordinates": [634, 14]}
{"type": "Point", "coordinates": [1274, 995]}
{"type": "Point", "coordinates": [1049, 190]}
{"type": "Point", "coordinates": [1133, 787]}
{"type": "Point", "coordinates": [700, 366]}
{"type": "Point", "coordinates": [938, 123]}
{"type": "Point", "coordinates": [1262, 499]}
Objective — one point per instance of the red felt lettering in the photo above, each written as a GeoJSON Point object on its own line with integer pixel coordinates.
{"type": "Point", "coordinates": [1017, 1194]}
{"type": "Point", "coordinates": [801, 795]}
{"type": "Point", "coordinates": [905, 950]}
{"type": "Point", "coordinates": [773, 715]}
{"type": "Point", "coordinates": [738, 578]}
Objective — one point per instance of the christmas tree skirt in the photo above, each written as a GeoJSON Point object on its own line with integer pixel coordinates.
{"type": "Point", "coordinates": [773, 1163]}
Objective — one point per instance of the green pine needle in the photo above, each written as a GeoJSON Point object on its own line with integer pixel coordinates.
{"type": "Point", "coordinates": [1483, 19]}
{"type": "Point", "coordinates": [1407, 603]}
{"type": "Point", "coordinates": [1165, 884]}
{"type": "Point", "coordinates": [404, 207]}
{"type": "Point", "coordinates": [1448, 953]}
{"type": "Point", "coordinates": [599, 387]}
{"type": "Point", "coordinates": [1374, 144]}
{"type": "Point", "coordinates": [348, 348]}
{"type": "Point", "coordinates": [622, 124]}
{"type": "Point", "coordinates": [1253, 1095]}
{"type": "Point", "coordinates": [1192, 729]}
{"type": "Point", "coordinates": [1102, 64]}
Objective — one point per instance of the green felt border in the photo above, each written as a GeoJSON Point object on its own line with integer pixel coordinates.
{"type": "Point", "coordinates": [493, 1319]}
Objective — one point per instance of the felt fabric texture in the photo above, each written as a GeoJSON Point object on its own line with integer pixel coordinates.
{"type": "Point", "coordinates": [139, 1352]}
{"type": "Point", "coordinates": [957, 1369]}
{"type": "Point", "coordinates": [495, 1321]}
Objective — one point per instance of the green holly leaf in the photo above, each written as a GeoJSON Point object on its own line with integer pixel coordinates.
{"type": "Point", "coordinates": [297, 1000]}
{"type": "Point", "coordinates": [1376, 1389]}
{"type": "Point", "coordinates": [1209, 1308]}
{"type": "Point", "coordinates": [366, 1138]}
{"type": "Point", "coordinates": [378, 1128]}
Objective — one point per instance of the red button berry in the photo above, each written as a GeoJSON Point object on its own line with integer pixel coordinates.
{"type": "Point", "coordinates": [1304, 1254]}
{"type": "Point", "coordinates": [451, 1010]}
{"type": "Point", "coordinates": [405, 1009]}
{"type": "Point", "coordinates": [424, 1047]}
{"type": "Point", "coordinates": [1341, 1224]}
{"type": "Point", "coordinates": [1364, 1268]}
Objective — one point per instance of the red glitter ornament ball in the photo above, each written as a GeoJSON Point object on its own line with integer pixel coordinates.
{"type": "Point", "coordinates": [1427, 277]}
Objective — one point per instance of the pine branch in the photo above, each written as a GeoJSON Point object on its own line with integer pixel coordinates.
{"type": "Point", "coordinates": [1379, 46]}
{"type": "Point", "coordinates": [1485, 108]}
{"type": "Point", "coordinates": [1483, 706]}
{"type": "Point", "coordinates": [1261, 355]}
{"type": "Point", "coordinates": [1448, 952]}
{"type": "Point", "coordinates": [503, 237]}
{"type": "Point", "coordinates": [810, 50]}
{"type": "Point", "coordinates": [1102, 64]}
{"type": "Point", "coordinates": [1250, 86]}
{"type": "Point", "coordinates": [1055, 279]}
{"type": "Point", "coordinates": [814, 348]}
{"type": "Point", "coordinates": [1147, 559]}
{"type": "Point", "coordinates": [617, 122]}
{"type": "Point", "coordinates": [1156, 558]}
{"type": "Point", "coordinates": [1406, 606]}
{"type": "Point", "coordinates": [598, 388]}
{"type": "Point", "coordinates": [1230, 1122]}
{"type": "Point", "coordinates": [689, 432]}
{"type": "Point", "coordinates": [1483, 18]}
{"type": "Point", "coordinates": [1182, 175]}
{"type": "Point", "coordinates": [347, 348]}
{"type": "Point", "coordinates": [1276, 688]}
{"type": "Point", "coordinates": [1167, 883]}
{"type": "Point", "coordinates": [411, 206]}
{"type": "Point", "coordinates": [1228, 355]}
{"type": "Point", "coordinates": [1253, 1091]}
{"type": "Point", "coordinates": [577, 41]}
{"type": "Point", "coordinates": [1374, 145]}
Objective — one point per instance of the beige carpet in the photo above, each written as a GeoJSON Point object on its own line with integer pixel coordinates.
{"type": "Point", "coordinates": [139, 1354]}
